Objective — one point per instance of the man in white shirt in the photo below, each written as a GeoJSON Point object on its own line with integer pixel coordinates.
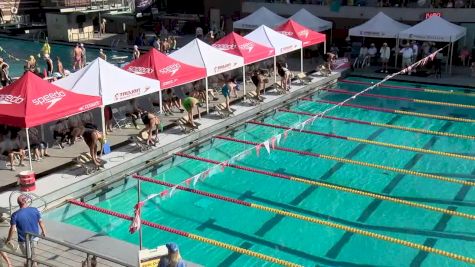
{"type": "Point", "coordinates": [372, 50]}
{"type": "Point", "coordinates": [415, 51]}
{"type": "Point", "coordinates": [385, 54]}
{"type": "Point", "coordinates": [407, 54]}
{"type": "Point", "coordinates": [363, 54]}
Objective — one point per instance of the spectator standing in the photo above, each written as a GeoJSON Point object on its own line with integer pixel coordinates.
{"type": "Point", "coordinates": [385, 54]}
{"type": "Point", "coordinates": [372, 50]}
{"type": "Point", "coordinates": [4, 74]}
{"type": "Point", "coordinates": [83, 56]}
{"type": "Point", "coordinates": [59, 64]}
{"type": "Point", "coordinates": [136, 53]}
{"type": "Point", "coordinates": [334, 50]}
{"type": "Point", "coordinates": [26, 219]}
{"type": "Point", "coordinates": [415, 51]}
{"type": "Point", "coordinates": [102, 54]}
{"type": "Point", "coordinates": [102, 27]}
{"type": "Point", "coordinates": [49, 65]}
{"type": "Point", "coordinates": [407, 55]}
{"type": "Point", "coordinates": [464, 56]}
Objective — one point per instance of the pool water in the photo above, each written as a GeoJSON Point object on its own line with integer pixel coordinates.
{"type": "Point", "coordinates": [22, 49]}
{"type": "Point", "coordinates": [299, 241]}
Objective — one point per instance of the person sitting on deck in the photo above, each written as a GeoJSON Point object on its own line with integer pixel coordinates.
{"type": "Point", "coordinates": [173, 258]}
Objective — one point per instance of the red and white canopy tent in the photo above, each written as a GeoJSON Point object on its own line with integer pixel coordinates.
{"type": "Point", "coordinates": [111, 83]}
{"type": "Point", "coordinates": [305, 35]}
{"type": "Point", "coordinates": [281, 43]}
{"type": "Point", "coordinates": [200, 54]}
{"type": "Point", "coordinates": [169, 71]}
{"type": "Point", "coordinates": [235, 44]}
{"type": "Point", "coordinates": [30, 101]}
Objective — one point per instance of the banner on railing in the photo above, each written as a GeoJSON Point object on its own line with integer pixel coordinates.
{"type": "Point", "coordinates": [151, 257]}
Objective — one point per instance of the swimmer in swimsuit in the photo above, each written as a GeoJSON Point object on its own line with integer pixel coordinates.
{"type": "Point", "coordinates": [150, 121]}
{"type": "Point", "coordinates": [189, 103]}
{"type": "Point", "coordinates": [91, 136]}
{"type": "Point", "coordinates": [77, 57]}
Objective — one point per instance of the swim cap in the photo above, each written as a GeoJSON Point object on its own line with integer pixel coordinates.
{"type": "Point", "coordinates": [173, 247]}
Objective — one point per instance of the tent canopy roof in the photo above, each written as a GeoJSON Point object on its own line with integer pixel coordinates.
{"type": "Point", "coordinates": [268, 37]}
{"type": "Point", "coordinates": [308, 20]}
{"type": "Point", "coordinates": [435, 29]}
{"type": "Point", "coordinates": [200, 54]}
{"type": "Point", "coordinates": [169, 71]}
{"type": "Point", "coordinates": [299, 32]}
{"type": "Point", "coordinates": [31, 101]}
{"type": "Point", "coordinates": [262, 16]}
{"type": "Point", "coordinates": [379, 26]}
{"type": "Point", "coordinates": [237, 45]}
{"type": "Point", "coordinates": [113, 84]}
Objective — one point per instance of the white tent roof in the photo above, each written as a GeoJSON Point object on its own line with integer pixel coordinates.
{"type": "Point", "coordinates": [435, 29]}
{"type": "Point", "coordinates": [113, 84]}
{"type": "Point", "coordinates": [268, 37]}
{"type": "Point", "coordinates": [379, 26]}
{"type": "Point", "coordinates": [307, 19]}
{"type": "Point", "coordinates": [200, 54]}
{"type": "Point", "coordinates": [262, 16]}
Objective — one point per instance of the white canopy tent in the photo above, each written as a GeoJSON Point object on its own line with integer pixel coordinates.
{"type": "Point", "coordinates": [311, 21]}
{"type": "Point", "coordinates": [281, 43]}
{"type": "Point", "coordinates": [379, 26]}
{"type": "Point", "coordinates": [111, 83]}
{"type": "Point", "coordinates": [435, 29]}
{"type": "Point", "coordinates": [200, 54]}
{"type": "Point", "coordinates": [262, 16]}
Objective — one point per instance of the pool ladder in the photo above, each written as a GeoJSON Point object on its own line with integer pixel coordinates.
{"type": "Point", "coordinates": [38, 36]}
{"type": "Point", "coordinates": [115, 43]}
{"type": "Point", "coordinates": [32, 196]}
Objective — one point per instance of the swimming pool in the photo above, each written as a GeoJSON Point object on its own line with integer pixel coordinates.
{"type": "Point", "coordinates": [22, 49]}
{"type": "Point", "coordinates": [358, 134]}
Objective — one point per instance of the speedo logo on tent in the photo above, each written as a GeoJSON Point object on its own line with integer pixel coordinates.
{"type": "Point", "coordinates": [224, 46]}
{"type": "Point", "coordinates": [173, 68]}
{"type": "Point", "coordinates": [50, 99]}
{"type": "Point", "coordinates": [10, 99]}
{"type": "Point", "coordinates": [140, 70]}
{"type": "Point", "coordinates": [287, 33]}
{"type": "Point", "coordinates": [248, 46]}
{"type": "Point", "coordinates": [303, 33]}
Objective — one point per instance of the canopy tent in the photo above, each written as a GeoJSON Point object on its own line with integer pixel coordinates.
{"type": "Point", "coordinates": [262, 16]}
{"type": "Point", "coordinates": [169, 71]}
{"type": "Point", "coordinates": [379, 26]}
{"type": "Point", "coordinates": [215, 61]}
{"type": "Point", "coordinates": [308, 20]}
{"type": "Point", "coordinates": [281, 43]}
{"type": "Point", "coordinates": [251, 51]}
{"type": "Point", "coordinates": [435, 29]}
{"type": "Point", "coordinates": [31, 101]}
{"type": "Point", "coordinates": [111, 83]}
{"type": "Point", "coordinates": [306, 36]}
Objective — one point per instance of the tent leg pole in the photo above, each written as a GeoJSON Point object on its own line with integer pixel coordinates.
{"type": "Point", "coordinates": [103, 121]}
{"type": "Point", "coordinates": [244, 80]}
{"type": "Point", "coordinates": [275, 69]}
{"type": "Point", "coordinates": [160, 99]}
{"type": "Point", "coordinates": [301, 59]}
{"type": "Point", "coordinates": [29, 149]}
{"type": "Point", "coordinates": [325, 47]}
{"type": "Point", "coordinates": [207, 97]}
{"type": "Point", "coordinates": [447, 59]}
{"type": "Point", "coordinates": [396, 52]}
{"type": "Point", "coordinates": [451, 58]}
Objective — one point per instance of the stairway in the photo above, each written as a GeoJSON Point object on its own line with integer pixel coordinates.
{"type": "Point", "coordinates": [24, 7]}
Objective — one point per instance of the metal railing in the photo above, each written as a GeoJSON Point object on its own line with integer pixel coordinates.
{"type": "Point", "coordinates": [52, 252]}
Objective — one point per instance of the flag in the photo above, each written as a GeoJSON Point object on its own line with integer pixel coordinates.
{"type": "Point", "coordinates": [286, 133]}
{"type": "Point", "coordinates": [277, 138]}
{"type": "Point", "coordinates": [173, 190]}
{"type": "Point", "coordinates": [163, 193]}
{"type": "Point", "coordinates": [272, 140]}
{"type": "Point", "coordinates": [266, 145]}
{"type": "Point", "coordinates": [195, 179]}
{"type": "Point", "coordinates": [188, 181]}
{"type": "Point", "coordinates": [258, 149]}
{"type": "Point", "coordinates": [136, 222]}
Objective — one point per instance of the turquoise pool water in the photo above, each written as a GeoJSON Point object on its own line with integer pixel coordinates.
{"type": "Point", "coordinates": [299, 241]}
{"type": "Point", "coordinates": [22, 49]}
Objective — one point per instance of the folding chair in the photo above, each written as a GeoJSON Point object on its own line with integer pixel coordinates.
{"type": "Point", "coordinates": [120, 120]}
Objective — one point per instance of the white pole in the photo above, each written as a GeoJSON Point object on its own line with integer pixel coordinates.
{"type": "Point", "coordinates": [301, 59]}
{"type": "Point", "coordinates": [160, 99]}
{"type": "Point", "coordinates": [29, 149]}
{"type": "Point", "coordinates": [396, 52]}
{"type": "Point", "coordinates": [207, 98]}
{"type": "Point", "coordinates": [325, 47]}
{"type": "Point", "coordinates": [103, 121]}
{"type": "Point", "coordinates": [244, 80]}
{"type": "Point", "coordinates": [275, 69]}
{"type": "Point", "coordinates": [451, 58]}
{"type": "Point", "coordinates": [447, 59]}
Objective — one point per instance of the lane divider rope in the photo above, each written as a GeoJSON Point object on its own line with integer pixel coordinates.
{"type": "Point", "coordinates": [408, 88]}
{"type": "Point", "coordinates": [395, 111]}
{"type": "Point", "coordinates": [336, 225]}
{"type": "Point", "coordinates": [300, 217]}
{"type": "Point", "coordinates": [188, 235]}
{"type": "Point", "coordinates": [365, 141]}
{"type": "Point", "coordinates": [383, 125]}
{"type": "Point", "coordinates": [360, 163]}
{"type": "Point", "coordinates": [413, 100]}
